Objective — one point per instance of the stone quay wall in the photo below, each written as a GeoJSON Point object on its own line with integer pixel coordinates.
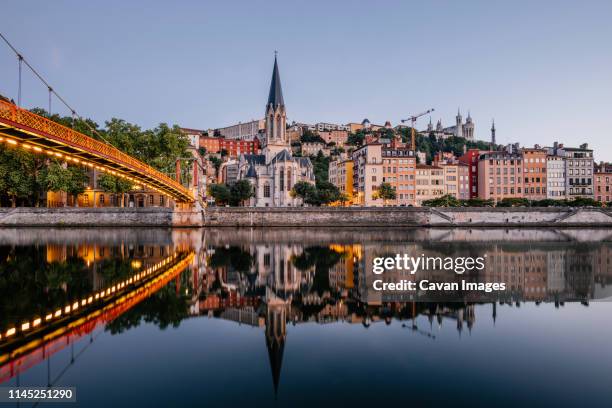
{"type": "Point", "coordinates": [406, 217]}
{"type": "Point", "coordinates": [306, 217]}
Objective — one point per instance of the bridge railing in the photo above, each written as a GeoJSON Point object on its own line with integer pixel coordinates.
{"type": "Point", "coordinates": [70, 137]}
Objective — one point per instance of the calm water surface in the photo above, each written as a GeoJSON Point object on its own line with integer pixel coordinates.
{"type": "Point", "coordinates": [281, 317]}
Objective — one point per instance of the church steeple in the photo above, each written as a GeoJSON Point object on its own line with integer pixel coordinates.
{"type": "Point", "coordinates": [458, 124]}
{"type": "Point", "coordinates": [276, 118]}
{"type": "Point", "coordinates": [493, 135]}
{"type": "Point", "coordinates": [275, 97]}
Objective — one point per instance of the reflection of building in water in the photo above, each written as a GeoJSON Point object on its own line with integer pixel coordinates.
{"type": "Point", "coordinates": [342, 274]}
{"type": "Point", "coordinates": [246, 315]}
{"type": "Point", "coordinates": [285, 284]}
{"type": "Point", "coordinates": [555, 268]}
{"type": "Point", "coordinates": [99, 258]}
{"type": "Point", "coordinates": [276, 333]}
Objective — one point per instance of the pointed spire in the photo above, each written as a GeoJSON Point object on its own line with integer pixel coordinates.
{"type": "Point", "coordinates": [275, 97]}
{"type": "Point", "coordinates": [493, 125]}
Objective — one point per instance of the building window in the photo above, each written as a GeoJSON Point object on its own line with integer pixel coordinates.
{"type": "Point", "coordinates": [267, 190]}
{"type": "Point", "coordinates": [288, 179]}
{"type": "Point", "coordinates": [151, 199]}
{"type": "Point", "coordinates": [101, 198]}
{"type": "Point", "coordinates": [282, 179]}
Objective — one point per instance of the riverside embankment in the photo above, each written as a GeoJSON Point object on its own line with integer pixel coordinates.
{"type": "Point", "coordinates": [561, 217]}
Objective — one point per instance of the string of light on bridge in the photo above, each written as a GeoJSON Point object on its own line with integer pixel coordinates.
{"type": "Point", "coordinates": [70, 158]}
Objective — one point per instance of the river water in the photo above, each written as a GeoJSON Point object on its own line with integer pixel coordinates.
{"type": "Point", "coordinates": [290, 317]}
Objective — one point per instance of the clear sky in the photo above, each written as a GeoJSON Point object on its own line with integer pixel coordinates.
{"type": "Point", "coordinates": [542, 69]}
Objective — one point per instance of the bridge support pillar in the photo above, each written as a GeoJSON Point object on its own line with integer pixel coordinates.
{"type": "Point", "coordinates": [188, 215]}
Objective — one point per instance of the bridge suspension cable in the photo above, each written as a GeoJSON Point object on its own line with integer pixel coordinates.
{"type": "Point", "coordinates": [51, 90]}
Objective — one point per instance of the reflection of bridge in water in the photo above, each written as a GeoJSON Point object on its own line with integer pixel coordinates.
{"type": "Point", "coordinates": [37, 339]}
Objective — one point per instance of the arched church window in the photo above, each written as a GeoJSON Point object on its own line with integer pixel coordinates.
{"type": "Point", "coordinates": [267, 190]}
{"type": "Point", "coordinates": [288, 179]}
{"type": "Point", "coordinates": [282, 179]}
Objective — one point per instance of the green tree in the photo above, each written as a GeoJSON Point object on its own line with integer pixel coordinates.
{"type": "Point", "coordinates": [18, 170]}
{"type": "Point", "coordinates": [343, 198]}
{"type": "Point", "coordinates": [306, 191]}
{"type": "Point", "coordinates": [202, 151]}
{"type": "Point", "coordinates": [447, 200]}
{"type": "Point", "coordinates": [386, 192]}
{"type": "Point", "coordinates": [75, 182]}
{"type": "Point", "coordinates": [240, 191]}
{"type": "Point", "coordinates": [549, 203]}
{"type": "Point", "coordinates": [115, 185]}
{"type": "Point", "coordinates": [479, 202]}
{"type": "Point", "coordinates": [220, 193]}
{"type": "Point", "coordinates": [54, 177]}
{"type": "Point", "coordinates": [326, 192]}
{"type": "Point", "coordinates": [311, 137]}
{"type": "Point", "coordinates": [513, 202]}
{"type": "Point", "coordinates": [320, 164]}
{"type": "Point", "coordinates": [584, 202]}
{"type": "Point", "coordinates": [357, 138]}
{"type": "Point", "coordinates": [216, 162]}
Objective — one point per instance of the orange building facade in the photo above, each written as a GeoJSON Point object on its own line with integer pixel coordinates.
{"type": "Point", "coordinates": [534, 173]}
{"type": "Point", "coordinates": [500, 176]}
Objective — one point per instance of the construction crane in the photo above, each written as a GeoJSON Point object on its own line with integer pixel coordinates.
{"type": "Point", "coordinates": [413, 120]}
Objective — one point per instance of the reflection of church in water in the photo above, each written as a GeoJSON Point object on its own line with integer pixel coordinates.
{"type": "Point", "coordinates": [281, 285]}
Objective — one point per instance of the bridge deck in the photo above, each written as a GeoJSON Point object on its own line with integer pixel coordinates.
{"type": "Point", "coordinates": [27, 130]}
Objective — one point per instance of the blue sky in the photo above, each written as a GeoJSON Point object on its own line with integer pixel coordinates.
{"type": "Point", "coordinates": [542, 69]}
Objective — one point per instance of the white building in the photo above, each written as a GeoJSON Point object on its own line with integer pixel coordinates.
{"type": "Point", "coordinates": [243, 131]}
{"type": "Point", "coordinates": [555, 177]}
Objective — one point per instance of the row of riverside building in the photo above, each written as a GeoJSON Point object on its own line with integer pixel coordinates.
{"type": "Point", "coordinates": [537, 173]}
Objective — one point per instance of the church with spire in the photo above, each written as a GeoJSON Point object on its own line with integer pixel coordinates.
{"type": "Point", "coordinates": [274, 172]}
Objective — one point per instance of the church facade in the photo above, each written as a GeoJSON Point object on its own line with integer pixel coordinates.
{"type": "Point", "coordinates": [464, 130]}
{"type": "Point", "coordinates": [274, 172]}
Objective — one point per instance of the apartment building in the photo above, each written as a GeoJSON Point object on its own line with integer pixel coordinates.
{"type": "Point", "coordinates": [470, 158]}
{"type": "Point", "coordinates": [579, 172]}
{"type": "Point", "coordinates": [456, 180]}
{"type": "Point", "coordinates": [234, 147]}
{"type": "Point", "coordinates": [340, 174]}
{"type": "Point", "coordinates": [578, 169]}
{"type": "Point", "coordinates": [323, 127]}
{"type": "Point", "coordinates": [603, 182]}
{"type": "Point", "coordinates": [399, 169]}
{"type": "Point", "coordinates": [429, 183]}
{"type": "Point", "coordinates": [339, 137]}
{"type": "Point", "coordinates": [313, 148]}
{"type": "Point", "coordinates": [500, 175]}
{"type": "Point", "coordinates": [247, 131]}
{"type": "Point", "coordinates": [555, 177]}
{"type": "Point", "coordinates": [456, 175]}
{"type": "Point", "coordinates": [534, 173]}
{"type": "Point", "coordinates": [367, 175]}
